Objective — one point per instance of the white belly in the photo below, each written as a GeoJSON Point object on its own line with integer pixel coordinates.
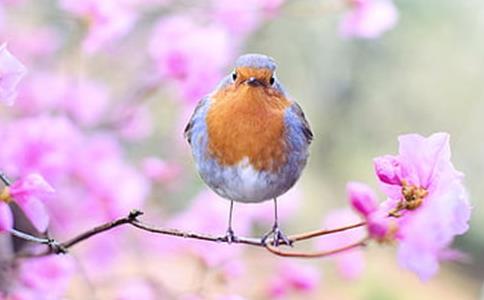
{"type": "Point", "coordinates": [242, 183]}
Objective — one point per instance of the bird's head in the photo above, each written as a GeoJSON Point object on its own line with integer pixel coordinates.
{"type": "Point", "coordinates": [254, 73]}
{"type": "Point", "coordinates": [254, 70]}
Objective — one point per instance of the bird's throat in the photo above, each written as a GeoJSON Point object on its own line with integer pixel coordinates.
{"type": "Point", "coordinates": [247, 122]}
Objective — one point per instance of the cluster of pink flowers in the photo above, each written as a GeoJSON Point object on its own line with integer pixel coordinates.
{"type": "Point", "coordinates": [427, 203]}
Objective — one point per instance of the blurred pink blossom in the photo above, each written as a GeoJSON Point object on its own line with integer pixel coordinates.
{"type": "Point", "coordinates": [194, 72]}
{"type": "Point", "coordinates": [43, 144]}
{"type": "Point", "coordinates": [107, 20]}
{"type": "Point", "coordinates": [350, 263]}
{"type": "Point", "coordinates": [159, 170]}
{"type": "Point", "coordinates": [440, 208]}
{"type": "Point", "coordinates": [11, 72]}
{"type": "Point", "coordinates": [293, 277]}
{"type": "Point", "coordinates": [209, 213]}
{"type": "Point", "coordinates": [44, 278]}
{"type": "Point", "coordinates": [369, 18]}
{"type": "Point", "coordinates": [112, 200]}
{"type": "Point", "coordinates": [242, 17]}
{"type": "Point", "coordinates": [84, 100]}
{"type": "Point", "coordinates": [135, 123]}
{"type": "Point", "coordinates": [32, 44]}
{"type": "Point", "coordinates": [33, 99]}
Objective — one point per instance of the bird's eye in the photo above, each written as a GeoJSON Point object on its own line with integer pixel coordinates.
{"type": "Point", "coordinates": [272, 80]}
{"type": "Point", "coordinates": [234, 76]}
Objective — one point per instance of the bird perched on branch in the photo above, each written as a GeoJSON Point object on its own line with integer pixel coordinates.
{"type": "Point", "coordinates": [249, 140]}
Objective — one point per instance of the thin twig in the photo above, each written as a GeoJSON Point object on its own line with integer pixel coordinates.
{"type": "Point", "coordinates": [316, 233]}
{"type": "Point", "coordinates": [195, 235]}
{"type": "Point", "coordinates": [280, 252]}
{"type": "Point", "coordinates": [55, 247]}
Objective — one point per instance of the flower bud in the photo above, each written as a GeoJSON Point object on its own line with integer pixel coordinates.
{"type": "Point", "coordinates": [388, 169]}
{"type": "Point", "coordinates": [362, 198]}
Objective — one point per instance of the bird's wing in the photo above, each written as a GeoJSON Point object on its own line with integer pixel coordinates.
{"type": "Point", "coordinates": [306, 129]}
{"type": "Point", "coordinates": [187, 133]}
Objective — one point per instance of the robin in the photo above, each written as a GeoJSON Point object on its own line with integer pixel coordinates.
{"type": "Point", "coordinates": [249, 140]}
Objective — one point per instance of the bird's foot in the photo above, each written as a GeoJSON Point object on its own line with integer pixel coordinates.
{"type": "Point", "coordinates": [278, 237]}
{"type": "Point", "coordinates": [230, 236]}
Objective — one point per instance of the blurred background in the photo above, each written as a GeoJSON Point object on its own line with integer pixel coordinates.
{"type": "Point", "coordinates": [111, 85]}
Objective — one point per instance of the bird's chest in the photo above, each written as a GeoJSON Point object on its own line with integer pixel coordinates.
{"type": "Point", "coordinates": [240, 131]}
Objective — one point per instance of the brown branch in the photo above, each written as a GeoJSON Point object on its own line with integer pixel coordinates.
{"type": "Point", "coordinates": [55, 247]}
{"type": "Point", "coordinates": [280, 252]}
{"type": "Point", "coordinates": [316, 233]}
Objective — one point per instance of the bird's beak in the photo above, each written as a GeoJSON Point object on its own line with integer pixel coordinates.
{"type": "Point", "coordinates": [254, 82]}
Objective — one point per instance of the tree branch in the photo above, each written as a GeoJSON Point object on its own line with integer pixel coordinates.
{"type": "Point", "coordinates": [55, 247]}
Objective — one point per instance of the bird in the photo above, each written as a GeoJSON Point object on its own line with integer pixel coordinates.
{"type": "Point", "coordinates": [249, 139]}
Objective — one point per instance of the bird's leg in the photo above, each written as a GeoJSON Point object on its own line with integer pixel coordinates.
{"type": "Point", "coordinates": [278, 236]}
{"type": "Point", "coordinates": [230, 236]}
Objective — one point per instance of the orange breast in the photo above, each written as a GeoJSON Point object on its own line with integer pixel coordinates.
{"type": "Point", "coordinates": [247, 122]}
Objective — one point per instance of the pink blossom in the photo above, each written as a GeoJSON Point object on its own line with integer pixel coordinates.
{"type": "Point", "coordinates": [108, 21]}
{"type": "Point", "coordinates": [194, 72]}
{"type": "Point", "coordinates": [11, 72]}
{"type": "Point", "coordinates": [28, 193]}
{"type": "Point", "coordinates": [369, 18]}
{"type": "Point", "coordinates": [292, 276]}
{"type": "Point", "coordinates": [350, 263]}
{"type": "Point", "coordinates": [430, 199]}
{"type": "Point", "coordinates": [364, 201]}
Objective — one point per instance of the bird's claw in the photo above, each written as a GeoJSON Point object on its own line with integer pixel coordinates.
{"type": "Point", "coordinates": [278, 237]}
{"type": "Point", "coordinates": [230, 236]}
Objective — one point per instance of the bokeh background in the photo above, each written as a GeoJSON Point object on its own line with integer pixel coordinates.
{"type": "Point", "coordinates": [117, 83]}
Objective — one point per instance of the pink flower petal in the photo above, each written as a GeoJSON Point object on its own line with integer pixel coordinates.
{"type": "Point", "coordinates": [32, 184]}
{"type": "Point", "coordinates": [35, 211]}
{"type": "Point", "coordinates": [388, 169]}
{"type": "Point", "coordinates": [11, 72]}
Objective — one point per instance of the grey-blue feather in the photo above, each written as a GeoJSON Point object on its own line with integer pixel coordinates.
{"type": "Point", "coordinates": [256, 61]}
